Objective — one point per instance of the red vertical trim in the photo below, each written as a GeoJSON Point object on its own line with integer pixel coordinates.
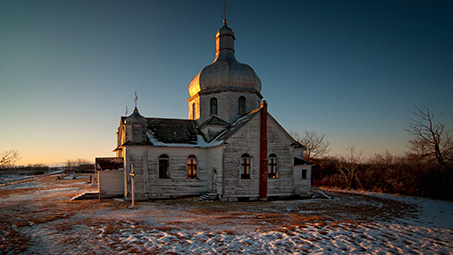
{"type": "Point", "coordinates": [263, 152]}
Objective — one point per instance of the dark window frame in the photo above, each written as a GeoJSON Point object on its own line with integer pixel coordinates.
{"type": "Point", "coordinates": [246, 162]}
{"type": "Point", "coordinates": [164, 166]}
{"type": "Point", "coordinates": [304, 174]}
{"type": "Point", "coordinates": [213, 105]}
{"type": "Point", "coordinates": [191, 166]}
{"type": "Point", "coordinates": [194, 106]}
{"type": "Point", "coordinates": [242, 105]}
{"type": "Point", "coordinates": [272, 169]}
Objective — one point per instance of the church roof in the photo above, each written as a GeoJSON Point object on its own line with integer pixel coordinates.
{"type": "Point", "coordinates": [173, 132]}
{"type": "Point", "coordinates": [185, 133]}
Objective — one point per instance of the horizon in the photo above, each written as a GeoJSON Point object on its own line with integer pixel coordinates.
{"type": "Point", "coordinates": [350, 70]}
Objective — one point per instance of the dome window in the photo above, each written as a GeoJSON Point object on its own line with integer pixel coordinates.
{"type": "Point", "coordinates": [213, 105]}
{"type": "Point", "coordinates": [194, 111]}
{"type": "Point", "coordinates": [241, 106]}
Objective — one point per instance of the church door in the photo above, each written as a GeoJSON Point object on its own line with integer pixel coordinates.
{"type": "Point", "coordinates": [214, 181]}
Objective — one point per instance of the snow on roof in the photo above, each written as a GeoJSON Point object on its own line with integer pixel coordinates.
{"type": "Point", "coordinates": [172, 131]}
{"type": "Point", "coordinates": [199, 142]}
{"type": "Point", "coordinates": [176, 133]}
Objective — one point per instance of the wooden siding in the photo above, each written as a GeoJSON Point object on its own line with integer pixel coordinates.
{"type": "Point", "coordinates": [177, 185]}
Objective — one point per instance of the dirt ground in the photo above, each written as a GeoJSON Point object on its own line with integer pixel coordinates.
{"type": "Point", "coordinates": [38, 218]}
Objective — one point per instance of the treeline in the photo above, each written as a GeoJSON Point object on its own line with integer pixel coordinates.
{"type": "Point", "coordinates": [406, 175]}
{"type": "Point", "coordinates": [78, 166]}
{"type": "Point", "coordinates": [426, 170]}
{"type": "Point", "coordinates": [30, 167]}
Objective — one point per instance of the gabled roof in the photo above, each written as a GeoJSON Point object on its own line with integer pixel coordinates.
{"type": "Point", "coordinates": [235, 126]}
{"type": "Point", "coordinates": [214, 121]}
{"type": "Point", "coordinates": [295, 143]}
{"type": "Point", "coordinates": [185, 133]}
{"type": "Point", "coordinates": [172, 131]}
{"type": "Point", "coordinates": [299, 162]}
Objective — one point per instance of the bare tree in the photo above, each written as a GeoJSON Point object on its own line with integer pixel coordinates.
{"type": "Point", "coordinates": [9, 157]}
{"type": "Point", "coordinates": [315, 144]}
{"type": "Point", "coordinates": [76, 166]}
{"type": "Point", "coordinates": [348, 166]}
{"type": "Point", "coordinates": [430, 138]}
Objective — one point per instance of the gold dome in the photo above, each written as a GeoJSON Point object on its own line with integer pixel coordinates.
{"type": "Point", "coordinates": [225, 73]}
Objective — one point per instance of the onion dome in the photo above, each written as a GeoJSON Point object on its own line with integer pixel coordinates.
{"type": "Point", "coordinates": [225, 73]}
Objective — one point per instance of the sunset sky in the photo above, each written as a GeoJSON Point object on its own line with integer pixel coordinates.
{"type": "Point", "coordinates": [352, 70]}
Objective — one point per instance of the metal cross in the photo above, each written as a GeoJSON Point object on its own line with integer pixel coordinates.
{"type": "Point", "coordinates": [135, 99]}
{"type": "Point", "coordinates": [225, 8]}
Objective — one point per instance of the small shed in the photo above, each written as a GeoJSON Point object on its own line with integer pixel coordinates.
{"type": "Point", "coordinates": [302, 176]}
{"type": "Point", "coordinates": [110, 174]}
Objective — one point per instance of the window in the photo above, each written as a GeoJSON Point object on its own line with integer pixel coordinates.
{"type": "Point", "coordinates": [304, 174]}
{"type": "Point", "coordinates": [241, 105]}
{"type": "Point", "coordinates": [272, 170]}
{"type": "Point", "coordinates": [164, 163]}
{"type": "Point", "coordinates": [193, 111]}
{"type": "Point", "coordinates": [191, 166]}
{"type": "Point", "coordinates": [245, 166]}
{"type": "Point", "coordinates": [213, 105]}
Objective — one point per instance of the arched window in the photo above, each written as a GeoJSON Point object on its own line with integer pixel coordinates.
{"type": "Point", "coordinates": [164, 165]}
{"type": "Point", "coordinates": [272, 170]}
{"type": "Point", "coordinates": [245, 166]}
{"type": "Point", "coordinates": [191, 166]}
{"type": "Point", "coordinates": [193, 110]}
{"type": "Point", "coordinates": [213, 105]}
{"type": "Point", "coordinates": [241, 105]}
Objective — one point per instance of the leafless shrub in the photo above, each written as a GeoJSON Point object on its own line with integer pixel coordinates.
{"type": "Point", "coordinates": [9, 157]}
{"type": "Point", "coordinates": [316, 144]}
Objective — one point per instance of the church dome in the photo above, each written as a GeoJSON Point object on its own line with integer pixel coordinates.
{"type": "Point", "coordinates": [225, 73]}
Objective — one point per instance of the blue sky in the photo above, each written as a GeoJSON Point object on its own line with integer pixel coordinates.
{"type": "Point", "coordinates": [352, 70]}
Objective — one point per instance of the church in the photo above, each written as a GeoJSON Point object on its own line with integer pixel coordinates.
{"type": "Point", "coordinates": [229, 147]}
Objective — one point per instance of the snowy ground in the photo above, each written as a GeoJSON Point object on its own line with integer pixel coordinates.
{"type": "Point", "coordinates": [38, 218]}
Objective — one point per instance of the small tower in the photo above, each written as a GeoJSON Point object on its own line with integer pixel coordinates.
{"type": "Point", "coordinates": [135, 129]}
{"type": "Point", "coordinates": [226, 89]}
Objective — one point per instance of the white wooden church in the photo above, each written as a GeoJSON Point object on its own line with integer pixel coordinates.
{"type": "Point", "coordinates": [229, 146]}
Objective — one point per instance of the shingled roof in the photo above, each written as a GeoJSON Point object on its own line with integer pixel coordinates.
{"type": "Point", "coordinates": [116, 163]}
{"type": "Point", "coordinates": [173, 131]}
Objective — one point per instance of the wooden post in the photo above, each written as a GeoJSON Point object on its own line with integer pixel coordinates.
{"type": "Point", "coordinates": [132, 174]}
